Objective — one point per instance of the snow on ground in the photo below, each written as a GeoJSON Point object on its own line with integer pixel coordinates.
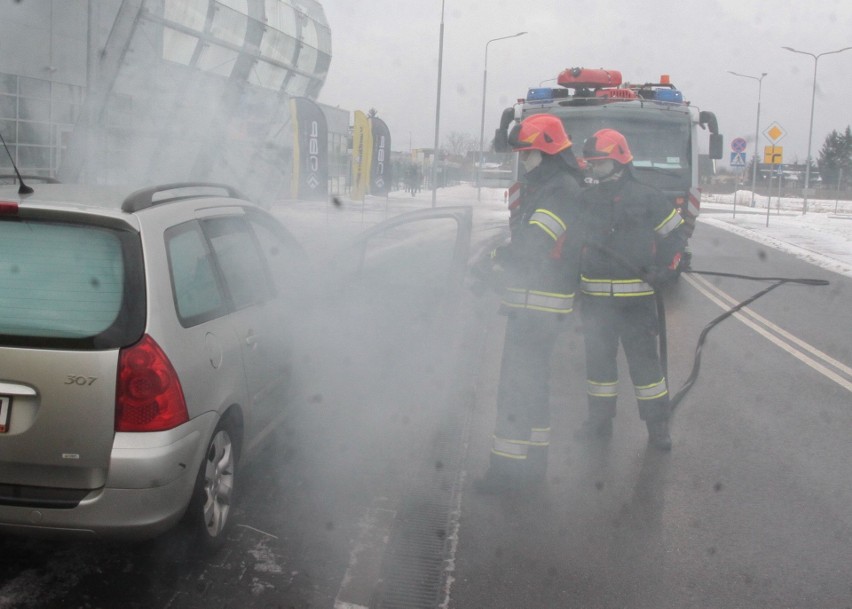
{"type": "Point", "coordinates": [822, 236]}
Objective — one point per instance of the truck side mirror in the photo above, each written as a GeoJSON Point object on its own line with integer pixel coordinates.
{"type": "Point", "coordinates": [501, 140]}
{"type": "Point", "coordinates": [501, 135]}
{"type": "Point", "coordinates": [716, 145]}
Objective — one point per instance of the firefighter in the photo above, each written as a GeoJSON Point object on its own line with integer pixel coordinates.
{"type": "Point", "coordinates": [633, 240]}
{"type": "Point", "coordinates": [540, 270]}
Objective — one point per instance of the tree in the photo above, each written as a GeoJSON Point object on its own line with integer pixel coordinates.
{"type": "Point", "coordinates": [459, 144]}
{"type": "Point", "coordinates": [836, 156]}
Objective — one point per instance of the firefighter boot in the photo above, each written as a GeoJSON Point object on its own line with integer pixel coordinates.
{"type": "Point", "coordinates": [658, 434]}
{"type": "Point", "coordinates": [595, 428]}
{"type": "Point", "coordinates": [599, 424]}
{"type": "Point", "coordinates": [504, 476]}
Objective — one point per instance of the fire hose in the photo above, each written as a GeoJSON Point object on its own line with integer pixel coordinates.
{"type": "Point", "coordinates": [676, 398]}
{"type": "Point", "coordinates": [696, 365]}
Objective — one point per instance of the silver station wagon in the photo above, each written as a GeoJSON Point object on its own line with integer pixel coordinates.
{"type": "Point", "coordinates": [143, 355]}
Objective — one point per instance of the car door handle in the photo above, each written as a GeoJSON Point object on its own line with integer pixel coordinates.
{"type": "Point", "coordinates": [251, 339]}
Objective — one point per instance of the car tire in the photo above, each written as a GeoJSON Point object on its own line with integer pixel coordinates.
{"type": "Point", "coordinates": [209, 514]}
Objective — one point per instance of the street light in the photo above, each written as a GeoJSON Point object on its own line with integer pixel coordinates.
{"type": "Point", "coordinates": [482, 121]}
{"type": "Point", "coordinates": [437, 108]}
{"type": "Point", "coordinates": [756, 128]}
{"type": "Point", "coordinates": [811, 130]}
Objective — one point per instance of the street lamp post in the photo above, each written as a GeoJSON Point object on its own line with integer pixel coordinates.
{"type": "Point", "coordinates": [756, 129]}
{"type": "Point", "coordinates": [437, 108]}
{"type": "Point", "coordinates": [482, 121]}
{"type": "Point", "coordinates": [811, 129]}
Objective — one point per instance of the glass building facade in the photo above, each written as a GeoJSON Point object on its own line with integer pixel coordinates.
{"type": "Point", "coordinates": [271, 44]}
{"type": "Point", "coordinates": [36, 117]}
{"type": "Point", "coordinates": [142, 91]}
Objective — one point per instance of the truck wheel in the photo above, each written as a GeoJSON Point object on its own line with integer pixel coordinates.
{"type": "Point", "coordinates": [209, 511]}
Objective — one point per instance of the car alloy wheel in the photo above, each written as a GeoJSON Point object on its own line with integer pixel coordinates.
{"type": "Point", "coordinates": [218, 482]}
{"type": "Point", "coordinates": [210, 509]}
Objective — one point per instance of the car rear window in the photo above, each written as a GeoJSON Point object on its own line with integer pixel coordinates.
{"type": "Point", "coordinates": [68, 285]}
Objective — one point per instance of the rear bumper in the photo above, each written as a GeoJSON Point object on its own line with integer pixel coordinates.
{"type": "Point", "coordinates": [150, 482]}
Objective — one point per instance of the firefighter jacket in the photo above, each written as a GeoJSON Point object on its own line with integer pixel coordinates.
{"type": "Point", "coordinates": [541, 261]}
{"type": "Point", "coordinates": [632, 237]}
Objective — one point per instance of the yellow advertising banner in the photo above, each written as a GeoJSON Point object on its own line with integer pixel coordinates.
{"type": "Point", "coordinates": [362, 154]}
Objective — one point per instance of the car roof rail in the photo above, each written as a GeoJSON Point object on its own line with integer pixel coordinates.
{"type": "Point", "coordinates": [29, 178]}
{"type": "Point", "coordinates": [147, 197]}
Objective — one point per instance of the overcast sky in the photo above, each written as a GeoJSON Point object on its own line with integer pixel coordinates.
{"type": "Point", "coordinates": [385, 56]}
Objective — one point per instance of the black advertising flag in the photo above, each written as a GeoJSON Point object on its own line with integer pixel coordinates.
{"type": "Point", "coordinates": [310, 150]}
{"type": "Point", "coordinates": [380, 170]}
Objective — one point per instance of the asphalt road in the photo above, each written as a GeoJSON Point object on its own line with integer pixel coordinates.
{"type": "Point", "coordinates": [752, 506]}
{"type": "Point", "coordinates": [366, 500]}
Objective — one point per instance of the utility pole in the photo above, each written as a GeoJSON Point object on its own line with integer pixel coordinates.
{"type": "Point", "coordinates": [756, 128]}
{"type": "Point", "coordinates": [438, 108]}
{"type": "Point", "coordinates": [806, 192]}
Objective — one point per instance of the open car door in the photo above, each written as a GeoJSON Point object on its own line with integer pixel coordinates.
{"type": "Point", "coordinates": [390, 298]}
{"type": "Point", "coordinates": [407, 270]}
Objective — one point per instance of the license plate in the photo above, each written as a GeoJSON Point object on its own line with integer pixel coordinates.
{"type": "Point", "coordinates": [5, 403]}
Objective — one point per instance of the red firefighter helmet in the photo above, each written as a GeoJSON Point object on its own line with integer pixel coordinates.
{"type": "Point", "coordinates": [607, 144]}
{"type": "Point", "coordinates": [543, 132]}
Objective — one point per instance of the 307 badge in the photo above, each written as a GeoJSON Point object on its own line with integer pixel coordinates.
{"type": "Point", "coordinates": [5, 403]}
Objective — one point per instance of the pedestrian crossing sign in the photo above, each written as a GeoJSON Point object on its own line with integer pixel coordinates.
{"type": "Point", "coordinates": [738, 159]}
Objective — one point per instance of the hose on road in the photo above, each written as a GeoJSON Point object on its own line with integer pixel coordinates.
{"type": "Point", "coordinates": [696, 364]}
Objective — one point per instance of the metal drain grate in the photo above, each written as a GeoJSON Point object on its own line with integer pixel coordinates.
{"type": "Point", "coordinates": [415, 570]}
{"type": "Point", "coordinates": [414, 567]}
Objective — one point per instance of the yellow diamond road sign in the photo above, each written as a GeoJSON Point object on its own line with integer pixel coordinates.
{"type": "Point", "coordinates": [774, 132]}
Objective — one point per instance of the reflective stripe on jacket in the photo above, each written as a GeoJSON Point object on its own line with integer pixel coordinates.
{"type": "Point", "coordinates": [630, 229]}
{"type": "Point", "coordinates": [615, 287]}
{"type": "Point", "coordinates": [542, 260]}
{"type": "Point", "coordinates": [517, 298]}
{"type": "Point", "coordinates": [549, 222]}
{"type": "Point", "coordinates": [665, 227]}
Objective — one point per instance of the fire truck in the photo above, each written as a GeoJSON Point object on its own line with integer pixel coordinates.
{"type": "Point", "coordinates": [661, 127]}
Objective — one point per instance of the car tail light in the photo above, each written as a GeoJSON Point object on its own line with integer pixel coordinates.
{"type": "Point", "coordinates": [8, 208]}
{"type": "Point", "coordinates": [149, 396]}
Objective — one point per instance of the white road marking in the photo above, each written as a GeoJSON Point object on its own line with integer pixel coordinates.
{"type": "Point", "coordinates": [763, 326]}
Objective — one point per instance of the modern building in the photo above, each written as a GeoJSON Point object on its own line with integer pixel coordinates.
{"type": "Point", "coordinates": [141, 91]}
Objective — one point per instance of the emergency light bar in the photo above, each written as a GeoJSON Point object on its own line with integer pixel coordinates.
{"type": "Point", "coordinates": [584, 78]}
{"type": "Point", "coordinates": [668, 95]}
{"type": "Point", "coordinates": [605, 86]}
{"type": "Point", "coordinates": [541, 94]}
